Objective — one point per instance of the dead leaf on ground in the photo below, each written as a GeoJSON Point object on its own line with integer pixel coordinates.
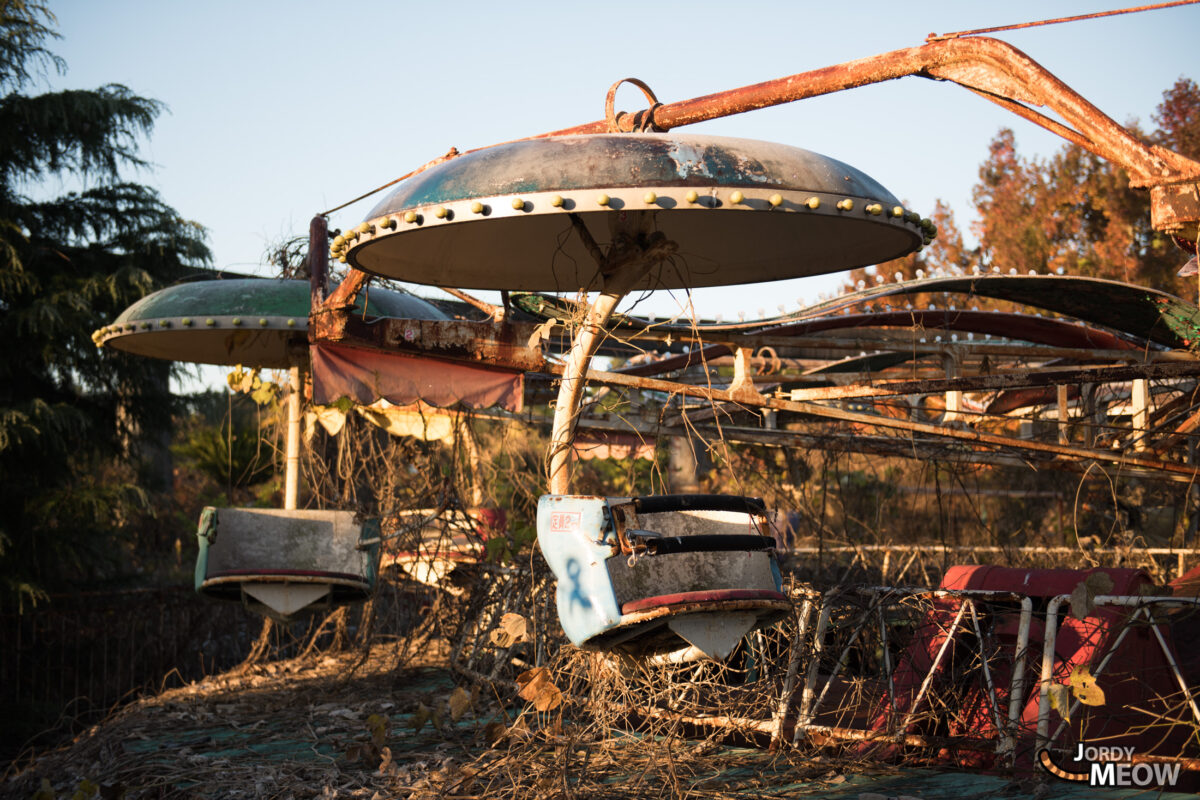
{"type": "Point", "coordinates": [1083, 598]}
{"type": "Point", "coordinates": [512, 629]}
{"type": "Point", "coordinates": [537, 688]}
{"type": "Point", "coordinates": [378, 725]}
{"type": "Point", "coordinates": [419, 718]}
{"type": "Point", "coordinates": [460, 702]}
{"type": "Point", "coordinates": [1084, 686]}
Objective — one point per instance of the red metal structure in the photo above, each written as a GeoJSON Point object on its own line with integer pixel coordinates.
{"type": "Point", "coordinates": [938, 652]}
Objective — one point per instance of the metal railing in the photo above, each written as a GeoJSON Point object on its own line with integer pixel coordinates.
{"type": "Point", "coordinates": [893, 562]}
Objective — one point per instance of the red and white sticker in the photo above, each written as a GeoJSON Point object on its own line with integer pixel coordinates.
{"type": "Point", "coordinates": [564, 521]}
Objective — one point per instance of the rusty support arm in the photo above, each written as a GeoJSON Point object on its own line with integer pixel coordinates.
{"type": "Point", "coordinates": [992, 68]}
{"type": "Point", "coordinates": [343, 296]}
{"type": "Point", "coordinates": [494, 312]}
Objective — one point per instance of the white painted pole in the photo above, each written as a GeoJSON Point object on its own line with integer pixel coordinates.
{"type": "Point", "coordinates": [622, 267]}
{"type": "Point", "coordinates": [291, 479]}
{"type": "Point", "coordinates": [570, 390]}
{"type": "Point", "coordinates": [1141, 412]}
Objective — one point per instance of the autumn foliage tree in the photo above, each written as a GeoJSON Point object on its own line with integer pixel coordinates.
{"type": "Point", "coordinates": [69, 263]}
{"type": "Point", "coordinates": [1073, 213]}
{"type": "Point", "coordinates": [1077, 212]}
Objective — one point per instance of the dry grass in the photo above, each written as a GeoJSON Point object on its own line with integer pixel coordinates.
{"type": "Point", "coordinates": [349, 726]}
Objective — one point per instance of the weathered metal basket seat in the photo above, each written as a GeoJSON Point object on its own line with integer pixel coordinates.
{"type": "Point", "coordinates": [655, 574]}
{"type": "Point", "coordinates": [283, 562]}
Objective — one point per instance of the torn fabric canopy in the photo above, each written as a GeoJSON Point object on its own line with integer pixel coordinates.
{"type": "Point", "coordinates": [365, 376]}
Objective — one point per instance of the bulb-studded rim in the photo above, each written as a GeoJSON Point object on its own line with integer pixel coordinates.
{"type": "Point", "coordinates": [800, 213]}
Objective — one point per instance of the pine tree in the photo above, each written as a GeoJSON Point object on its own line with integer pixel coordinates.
{"type": "Point", "coordinates": [68, 265]}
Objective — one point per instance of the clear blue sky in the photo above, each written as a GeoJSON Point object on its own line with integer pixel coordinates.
{"type": "Point", "coordinates": [279, 110]}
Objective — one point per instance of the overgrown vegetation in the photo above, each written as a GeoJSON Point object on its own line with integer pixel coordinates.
{"type": "Point", "coordinates": [229, 439]}
{"type": "Point", "coordinates": [75, 421]}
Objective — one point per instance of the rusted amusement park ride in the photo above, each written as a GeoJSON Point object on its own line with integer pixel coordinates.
{"type": "Point", "coordinates": [625, 204]}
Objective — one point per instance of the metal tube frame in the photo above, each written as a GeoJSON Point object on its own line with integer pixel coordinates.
{"type": "Point", "coordinates": [1008, 729]}
{"type": "Point", "coordinates": [1142, 607]}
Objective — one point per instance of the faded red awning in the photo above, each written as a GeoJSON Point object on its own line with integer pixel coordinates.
{"type": "Point", "coordinates": [365, 376]}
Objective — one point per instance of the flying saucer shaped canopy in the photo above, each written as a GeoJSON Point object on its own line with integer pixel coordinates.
{"type": "Point", "coordinates": [250, 321]}
{"type": "Point", "coordinates": [740, 211]}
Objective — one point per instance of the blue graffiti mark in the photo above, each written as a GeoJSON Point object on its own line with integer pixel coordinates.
{"type": "Point", "coordinates": [574, 570]}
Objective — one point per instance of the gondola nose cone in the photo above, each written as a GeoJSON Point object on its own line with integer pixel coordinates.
{"type": "Point", "coordinates": [739, 211]}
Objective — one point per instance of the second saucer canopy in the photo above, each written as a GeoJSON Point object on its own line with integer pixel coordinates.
{"type": "Point", "coordinates": [251, 321]}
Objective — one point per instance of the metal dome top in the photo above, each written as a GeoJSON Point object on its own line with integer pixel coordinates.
{"type": "Point", "coordinates": [798, 213]}
{"type": "Point", "coordinates": [252, 321]}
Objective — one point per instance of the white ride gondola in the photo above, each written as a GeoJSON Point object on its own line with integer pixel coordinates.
{"type": "Point", "coordinates": [280, 562]}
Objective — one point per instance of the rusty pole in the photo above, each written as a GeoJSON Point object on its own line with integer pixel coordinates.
{"type": "Point", "coordinates": [318, 259]}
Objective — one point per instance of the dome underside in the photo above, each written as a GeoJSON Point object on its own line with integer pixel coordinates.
{"type": "Point", "coordinates": [739, 211]}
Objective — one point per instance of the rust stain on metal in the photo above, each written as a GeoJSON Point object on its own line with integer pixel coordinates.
{"type": "Point", "coordinates": [497, 344]}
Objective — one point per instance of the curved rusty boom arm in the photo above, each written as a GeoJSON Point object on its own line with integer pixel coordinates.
{"type": "Point", "coordinates": [992, 69]}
